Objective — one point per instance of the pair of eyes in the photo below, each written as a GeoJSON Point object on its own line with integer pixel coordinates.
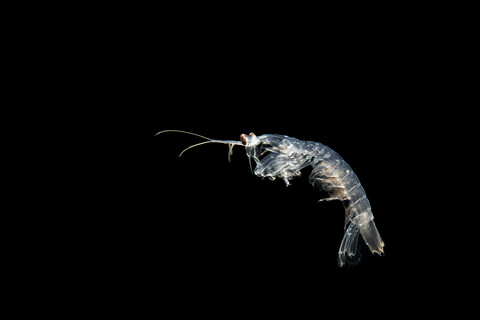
{"type": "Point", "coordinates": [243, 138]}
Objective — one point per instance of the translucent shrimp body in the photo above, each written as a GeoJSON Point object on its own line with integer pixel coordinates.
{"type": "Point", "coordinates": [280, 156]}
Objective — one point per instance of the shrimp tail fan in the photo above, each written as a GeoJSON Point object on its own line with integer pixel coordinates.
{"type": "Point", "coordinates": [348, 249]}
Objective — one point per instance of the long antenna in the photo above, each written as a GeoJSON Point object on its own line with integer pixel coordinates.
{"type": "Point", "coordinates": [198, 144]}
{"type": "Point", "coordinates": [231, 143]}
{"type": "Point", "coordinates": [193, 134]}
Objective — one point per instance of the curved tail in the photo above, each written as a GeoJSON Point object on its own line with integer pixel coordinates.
{"type": "Point", "coordinates": [348, 248]}
{"type": "Point", "coordinates": [370, 235]}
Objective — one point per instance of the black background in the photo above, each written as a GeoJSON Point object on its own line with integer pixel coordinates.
{"type": "Point", "coordinates": [198, 227]}
{"type": "Point", "coordinates": [200, 224]}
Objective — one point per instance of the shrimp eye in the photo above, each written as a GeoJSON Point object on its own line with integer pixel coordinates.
{"type": "Point", "coordinates": [243, 139]}
{"type": "Point", "coordinates": [251, 134]}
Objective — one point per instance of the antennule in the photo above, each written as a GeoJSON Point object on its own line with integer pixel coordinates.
{"type": "Point", "coordinates": [181, 131]}
{"type": "Point", "coordinates": [198, 144]}
{"type": "Point", "coordinates": [231, 143]}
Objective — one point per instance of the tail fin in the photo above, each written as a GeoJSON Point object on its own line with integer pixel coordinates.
{"type": "Point", "coordinates": [348, 248]}
{"type": "Point", "coordinates": [372, 237]}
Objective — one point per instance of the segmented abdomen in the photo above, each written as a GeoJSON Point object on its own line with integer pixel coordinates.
{"type": "Point", "coordinates": [332, 174]}
{"type": "Point", "coordinates": [287, 156]}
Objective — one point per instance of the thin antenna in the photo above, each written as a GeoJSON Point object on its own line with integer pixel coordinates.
{"type": "Point", "coordinates": [231, 143]}
{"type": "Point", "coordinates": [198, 144]}
{"type": "Point", "coordinates": [193, 134]}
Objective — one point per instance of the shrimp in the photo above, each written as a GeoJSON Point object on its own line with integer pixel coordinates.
{"type": "Point", "coordinates": [280, 156]}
